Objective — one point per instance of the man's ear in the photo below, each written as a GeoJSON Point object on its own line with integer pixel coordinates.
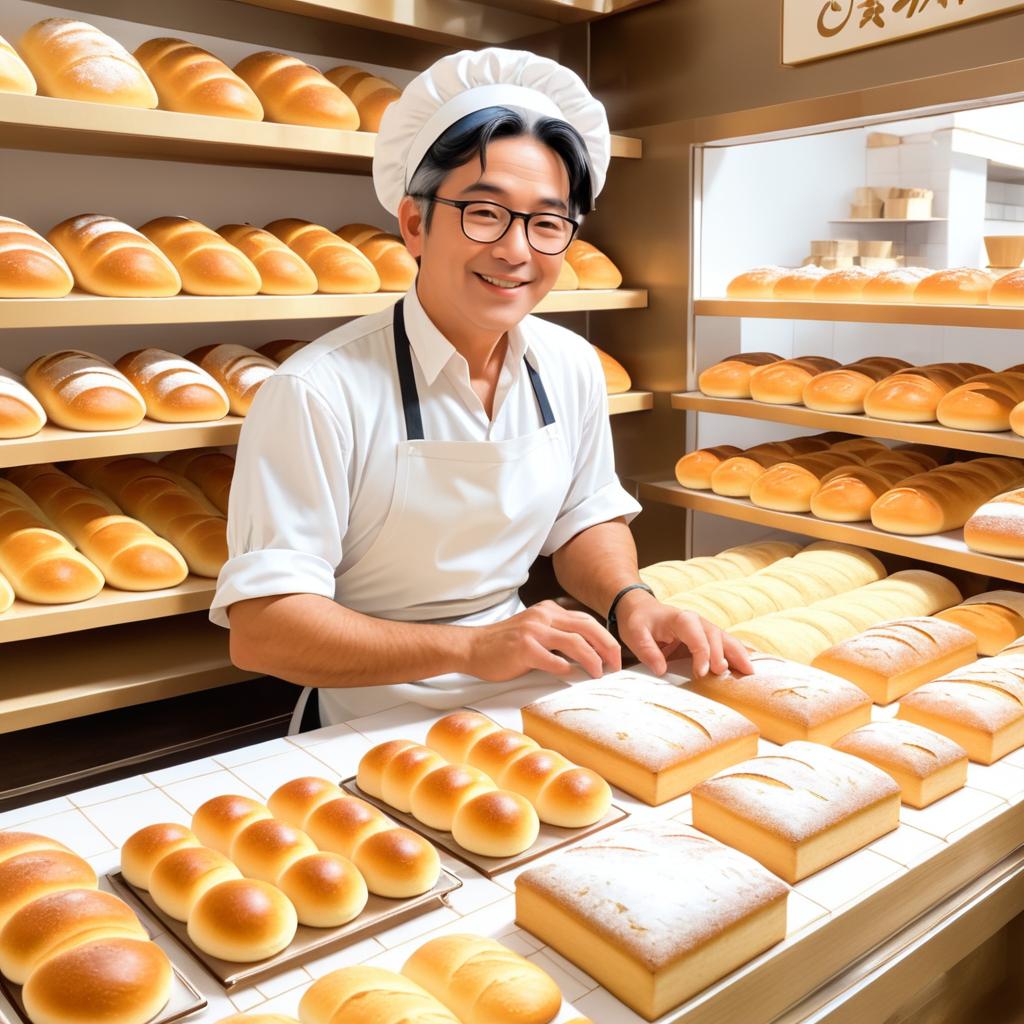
{"type": "Point", "coordinates": [411, 225]}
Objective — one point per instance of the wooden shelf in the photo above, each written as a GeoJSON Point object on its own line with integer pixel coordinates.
{"type": "Point", "coordinates": [1003, 443]}
{"type": "Point", "coordinates": [54, 444]}
{"type": "Point", "coordinates": [48, 680]}
{"type": "Point", "coordinates": [74, 126]}
{"type": "Point", "coordinates": [866, 312]}
{"type": "Point", "coordinates": [940, 549]}
{"type": "Point", "coordinates": [24, 621]}
{"type": "Point", "coordinates": [81, 310]}
{"type": "Point", "coordinates": [630, 401]}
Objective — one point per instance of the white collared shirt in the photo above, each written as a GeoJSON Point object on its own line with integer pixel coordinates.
{"type": "Point", "coordinates": [315, 466]}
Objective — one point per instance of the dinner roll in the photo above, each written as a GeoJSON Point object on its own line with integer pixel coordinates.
{"type": "Point", "coordinates": [403, 771]}
{"type": "Point", "coordinates": [730, 378]}
{"type": "Point", "coordinates": [575, 798]}
{"type": "Point", "coordinates": [964, 286]}
{"type": "Point", "coordinates": [219, 820]}
{"type": "Point", "coordinates": [695, 468]}
{"type": "Point", "coordinates": [265, 849]}
{"type": "Point", "coordinates": [13, 843]}
{"type": "Point", "coordinates": [498, 824]}
{"type": "Point", "coordinates": [493, 753]}
{"type": "Point", "coordinates": [896, 285]}
{"type": "Point", "coordinates": [27, 876]}
{"type": "Point", "coordinates": [370, 774]}
{"type": "Point", "coordinates": [242, 921]}
{"type": "Point", "coordinates": [341, 825]}
{"type": "Point", "coordinates": [453, 735]}
{"type": "Point", "coordinates": [325, 889]}
{"type": "Point", "coordinates": [180, 878]}
{"type": "Point", "coordinates": [42, 927]}
{"type": "Point", "coordinates": [440, 793]}
{"type": "Point", "coordinates": [113, 981]}
{"type": "Point", "coordinates": [295, 801]}
{"type": "Point", "coordinates": [758, 283]}
{"type": "Point", "coordinates": [370, 995]}
{"type": "Point", "coordinates": [397, 863]}
{"type": "Point", "coordinates": [144, 849]}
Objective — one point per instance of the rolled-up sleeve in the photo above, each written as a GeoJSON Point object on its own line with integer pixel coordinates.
{"type": "Point", "coordinates": [289, 505]}
{"type": "Point", "coordinates": [595, 494]}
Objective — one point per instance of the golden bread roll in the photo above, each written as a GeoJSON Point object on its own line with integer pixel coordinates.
{"type": "Point", "coordinates": [731, 377]}
{"type": "Point", "coordinates": [798, 285]}
{"type": "Point", "coordinates": [996, 618]}
{"type": "Point", "coordinates": [218, 821]}
{"type": "Point", "coordinates": [325, 888]}
{"type": "Point", "coordinates": [440, 793]}
{"type": "Point", "coordinates": [25, 877]}
{"type": "Point", "coordinates": [76, 61]}
{"type": "Point", "coordinates": [845, 285]}
{"type": "Point", "coordinates": [695, 468]}
{"type": "Point", "coordinates": [984, 402]}
{"type": "Point", "coordinates": [281, 271]}
{"type": "Point", "coordinates": [210, 471]}
{"type": "Point", "coordinates": [567, 280]}
{"type": "Point", "coordinates": [143, 850]}
{"type": "Point", "coordinates": [842, 389]}
{"type": "Point", "coordinates": [370, 94]}
{"type": "Point", "coordinates": [496, 824]}
{"type": "Point", "coordinates": [593, 268]}
{"type": "Point", "coordinates": [736, 474]}
{"type": "Point", "coordinates": [1017, 419]}
{"type": "Point", "coordinates": [192, 81]}
{"type": "Point", "coordinates": [175, 390]}
{"type": "Point", "coordinates": [395, 265]}
{"type": "Point", "coordinates": [912, 396]}
{"type": "Point", "coordinates": [30, 266]}
{"type": "Point", "coordinates": [370, 773]}
{"type": "Point", "coordinates": [1008, 290]}
{"type": "Point", "coordinates": [493, 752]}
{"type": "Point", "coordinates": [293, 802]}
{"type": "Point", "coordinates": [962, 286]}
{"type": "Point", "coordinates": [789, 486]}
{"type": "Point", "coordinates": [896, 285]}
{"type": "Point", "coordinates": [758, 283]}
{"type": "Point", "coordinates": [402, 773]}
{"type": "Point", "coordinates": [398, 863]}
{"type": "Point", "coordinates": [343, 824]}
{"type": "Point", "coordinates": [21, 415]}
{"type": "Point", "coordinates": [783, 382]}
{"type": "Point", "coordinates": [846, 495]}
{"type": "Point", "coordinates": [616, 377]}
{"type": "Point", "coordinates": [243, 920]}
{"type": "Point", "coordinates": [207, 263]}
{"type": "Point", "coordinates": [266, 848]}
{"type": "Point", "coordinates": [339, 266]}
{"type": "Point", "coordinates": [239, 370]}
{"type": "Point", "coordinates": [994, 526]}
{"type": "Point", "coordinates": [281, 349]}
{"type": "Point", "coordinates": [370, 995]}
{"type": "Point", "coordinates": [293, 92]}
{"type": "Point", "coordinates": [108, 257]}
{"type": "Point", "coordinates": [14, 843]}
{"type": "Point", "coordinates": [14, 73]}
{"type": "Point", "coordinates": [454, 735]}
{"type": "Point", "coordinates": [180, 879]}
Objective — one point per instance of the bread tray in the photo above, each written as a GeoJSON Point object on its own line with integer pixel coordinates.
{"type": "Point", "coordinates": [551, 837]}
{"type": "Point", "coordinates": [309, 943]}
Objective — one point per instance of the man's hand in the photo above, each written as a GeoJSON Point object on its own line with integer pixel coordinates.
{"type": "Point", "coordinates": [527, 641]}
{"type": "Point", "coordinates": [654, 632]}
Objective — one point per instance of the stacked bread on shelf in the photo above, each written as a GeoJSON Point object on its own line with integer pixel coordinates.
{"type": "Point", "coordinates": [996, 618]}
{"type": "Point", "coordinates": [593, 268]}
{"type": "Point", "coordinates": [994, 527]}
{"type": "Point", "coordinates": [30, 267]}
{"type": "Point", "coordinates": [80, 953]}
{"type": "Point", "coordinates": [14, 72]}
{"type": "Point", "coordinates": [239, 370]}
{"type": "Point", "coordinates": [393, 262]}
{"type": "Point", "coordinates": [174, 389]}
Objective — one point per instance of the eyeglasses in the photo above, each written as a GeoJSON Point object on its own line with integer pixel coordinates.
{"type": "Point", "coordinates": [547, 233]}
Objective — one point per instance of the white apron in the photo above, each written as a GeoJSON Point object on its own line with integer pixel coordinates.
{"type": "Point", "coordinates": [466, 521]}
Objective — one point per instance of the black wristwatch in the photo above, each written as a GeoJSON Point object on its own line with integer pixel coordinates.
{"type": "Point", "coordinates": [612, 622]}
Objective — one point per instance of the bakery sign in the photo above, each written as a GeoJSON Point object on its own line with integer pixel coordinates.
{"type": "Point", "coordinates": [812, 29]}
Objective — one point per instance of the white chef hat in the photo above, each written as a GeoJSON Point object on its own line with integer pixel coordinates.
{"type": "Point", "coordinates": [472, 80]}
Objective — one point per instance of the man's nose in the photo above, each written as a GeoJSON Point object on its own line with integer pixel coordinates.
{"type": "Point", "coordinates": [513, 246]}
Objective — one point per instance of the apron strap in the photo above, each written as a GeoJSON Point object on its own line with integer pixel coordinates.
{"type": "Point", "coordinates": [407, 382]}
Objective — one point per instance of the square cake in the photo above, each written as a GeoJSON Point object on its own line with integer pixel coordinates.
{"type": "Point", "coordinates": [799, 810]}
{"type": "Point", "coordinates": [789, 701]}
{"type": "Point", "coordinates": [653, 740]}
{"type": "Point", "coordinates": [655, 912]}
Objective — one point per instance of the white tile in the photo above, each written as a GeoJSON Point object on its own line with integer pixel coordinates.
{"type": "Point", "coordinates": [17, 818]}
{"type": "Point", "coordinates": [496, 920]}
{"type": "Point", "coordinates": [314, 737]}
{"type": "Point", "coordinates": [506, 708]}
{"type": "Point", "coordinates": [802, 912]}
{"type": "Point", "coordinates": [417, 926]}
{"type": "Point", "coordinates": [1016, 758]}
{"type": "Point", "coordinates": [243, 755]}
{"type": "Point", "coordinates": [521, 943]}
{"type": "Point", "coordinates": [476, 892]}
{"type": "Point", "coordinates": [567, 984]}
{"type": "Point", "coordinates": [75, 831]}
{"type": "Point", "coordinates": [404, 722]}
{"type": "Point", "coordinates": [907, 845]}
{"type": "Point", "coordinates": [246, 998]}
{"type": "Point", "coordinates": [110, 791]}
{"type": "Point", "coordinates": [191, 793]}
{"type": "Point", "coordinates": [951, 813]}
{"type": "Point", "coordinates": [341, 753]}
{"type": "Point", "coordinates": [178, 772]}
{"type": "Point", "coordinates": [357, 953]}
{"type": "Point", "coordinates": [847, 880]}
{"type": "Point", "coordinates": [118, 819]}
{"type": "Point", "coordinates": [286, 1004]}
{"type": "Point", "coordinates": [975, 824]}
{"type": "Point", "coordinates": [578, 975]}
{"type": "Point", "coordinates": [601, 1006]}
{"type": "Point", "coordinates": [218, 1005]}
{"type": "Point", "coordinates": [1005, 780]}
{"type": "Point", "coordinates": [276, 984]}
{"type": "Point", "coordinates": [265, 776]}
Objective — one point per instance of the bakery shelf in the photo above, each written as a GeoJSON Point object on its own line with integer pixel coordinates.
{"type": "Point", "coordinates": [865, 312]}
{"type": "Point", "coordinates": [1003, 443]}
{"type": "Point", "coordinates": [81, 310]}
{"type": "Point", "coordinates": [946, 549]}
{"type": "Point", "coordinates": [630, 401]}
{"type": "Point", "coordinates": [74, 126]}
{"type": "Point", "coordinates": [24, 621]}
{"type": "Point", "coordinates": [54, 444]}
{"type": "Point", "coordinates": [119, 667]}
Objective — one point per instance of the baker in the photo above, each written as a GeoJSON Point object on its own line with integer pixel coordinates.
{"type": "Point", "coordinates": [396, 478]}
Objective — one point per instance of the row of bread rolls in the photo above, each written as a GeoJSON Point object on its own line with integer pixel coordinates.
{"type": "Point", "coordinates": [963, 286]}
{"type": "Point", "coordinates": [80, 953]}
{"type": "Point", "coordinates": [74, 60]}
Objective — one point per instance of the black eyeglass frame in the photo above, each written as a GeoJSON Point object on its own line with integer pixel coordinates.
{"type": "Point", "coordinates": [514, 215]}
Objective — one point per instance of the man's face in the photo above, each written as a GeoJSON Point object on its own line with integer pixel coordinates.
{"type": "Point", "coordinates": [492, 286]}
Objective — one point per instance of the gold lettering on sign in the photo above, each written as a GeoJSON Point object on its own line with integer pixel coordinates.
{"type": "Point", "coordinates": [833, 7]}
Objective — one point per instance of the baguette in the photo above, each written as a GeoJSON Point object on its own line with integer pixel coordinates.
{"type": "Point", "coordinates": [731, 377]}
{"type": "Point", "coordinates": [393, 262]}
{"type": "Point", "coordinates": [370, 94]}
{"type": "Point", "coordinates": [669, 578]}
{"type": "Point", "coordinates": [14, 73]}
{"type": "Point", "coordinates": [790, 486]}
{"type": "Point", "coordinates": [695, 468]}
{"type": "Point", "coordinates": [21, 415]}
{"type": "Point", "coordinates": [913, 396]}
{"type": "Point", "coordinates": [76, 61]}
{"type": "Point", "coordinates": [339, 266]}
{"type": "Point", "coordinates": [994, 525]}
{"type": "Point", "coordinates": [593, 268]}
{"type": "Point", "coordinates": [30, 267]}
{"type": "Point", "coordinates": [240, 371]}
{"type": "Point", "coordinates": [847, 494]}
{"type": "Point", "coordinates": [38, 562]}
{"type": "Point", "coordinates": [758, 283]}
{"type": "Point", "coordinates": [108, 257]}
{"type": "Point", "coordinates": [129, 554]}
{"type": "Point", "coordinates": [783, 382]}
{"type": "Point", "coordinates": [81, 391]}
{"type": "Point", "coordinates": [191, 81]}
{"type": "Point", "coordinates": [211, 471]}
{"type": "Point", "coordinates": [206, 263]}
{"type": "Point", "coordinates": [175, 390]}
{"type": "Point", "coordinates": [370, 995]}
{"type": "Point", "coordinates": [293, 92]}
{"type": "Point", "coordinates": [843, 389]}
{"type": "Point", "coordinates": [282, 272]}
{"type": "Point", "coordinates": [984, 402]}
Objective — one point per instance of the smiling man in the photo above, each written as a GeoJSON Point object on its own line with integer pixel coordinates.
{"type": "Point", "coordinates": [396, 479]}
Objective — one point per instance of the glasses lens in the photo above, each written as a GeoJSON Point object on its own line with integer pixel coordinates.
{"type": "Point", "coordinates": [549, 234]}
{"type": "Point", "coordinates": [484, 222]}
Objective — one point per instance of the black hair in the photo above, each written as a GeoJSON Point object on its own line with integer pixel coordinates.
{"type": "Point", "coordinates": [470, 136]}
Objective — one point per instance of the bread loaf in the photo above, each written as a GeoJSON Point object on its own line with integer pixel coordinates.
{"type": "Point", "coordinates": [206, 263]}
{"type": "Point", "coordinates": [6, 594]}
{"type": "Point", "coordinates": [994, 527]}
{"type": "Point", "coordinates": [370, 995]}
{"type": "Point", "coordinates": [76, 61]}
{"type": "Point", "coordinates": [174, 389]}
{"type": "Point", "coordinates": [1017, 419]}
{"type": "Point", "coordinates": [758, 283]}
{"type": "Point", "coordinates": [393, 262]}
{"type": "Point", "coordinates": [695, 468]}
{"type": "Point", "coordinates": [843, 389]}
{"type": "Point", "coordinates": [281, 349]}
{"type": "Point", "coordinates": [128, 554]}
{"type": "Point", "coordinates": [21, 415]}
{"type": "Point", "coordinates": [370, 94]}
{"type": "Point", "coordinates": [339, 266]}
{"type": "Point", "coordinates": [782, 382]}
{"type": "Point", "coordinates": [143, 850]}
{"type": "Point", "coordinates": [790, 486]}
{"type": "Point", "coordinates": [984, 402]}
{"type": "Point", "coordinates": [845, 285]}
{"type": "Point", "coordinates": [913, 396]}
{"type": "Point", "coordinates": [281, 271]}
{"type": "Point", "coordinates": [668, 578]}
{"type": "Point", "coordinates": [108, 257]}
{"type": "Point", "coordinates": [1008, 290]}
{"type": "Point", "coordinates": [734, 477]}
{"type": "Point", "coordinates": [483, 982]}
{"type": "Point", "coordinates": [731, 377]}
{"type": "Point", "coordinates": [567, 280]}
{"type": "Point", "coordinates": [211, 471]}
{"type": "Point", "coordinates": [242, 920]}
{"type": "Point", "coordinates": [925, 764]}
{"type": "Point", "coordinates": [220, 819]}
{"type": "Point", "coordinates": [192, 81]}
{"type": "Point", "coordinates": [30, 267]}
{"type": "Point", "coordinates": [605, 906]}
{"type": "Point", "coordinates": [293, 92]}
{"type": "Point", "coordinates": [996, 619]}
{"type": "Point", "coordinates": [847, 494]}
{"type": "Point", "coordinates": [25, 877]}
{"type": "Point", "coordinates": [963, 286]}
{"type": "Point", "coordinates": [593, 268]}
{"type": "Point", "coordinates": [14, 73]}
{"type": "Point", "coordinates": [798, 285]}
{"type": "Point", "coordinates": [616, 377]}
{"type": "Point", "coordinates": [896, 285]}
{"type": "Point", "coordinates": [239, 370]}
{"type": "Point", "coordinates": [800, 810]}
